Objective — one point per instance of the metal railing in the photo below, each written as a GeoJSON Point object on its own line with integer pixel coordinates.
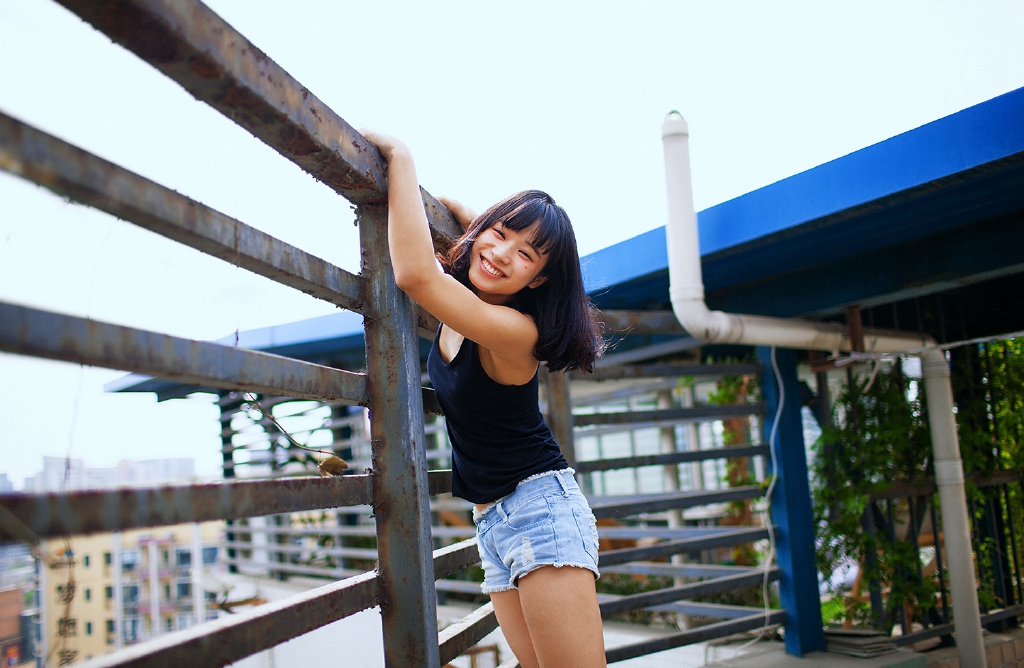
{"type": "Point", "coordinates": [193, 46]}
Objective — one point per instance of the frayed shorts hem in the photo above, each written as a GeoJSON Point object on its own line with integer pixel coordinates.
{"type": "Point", "coordinates": [509, 587]}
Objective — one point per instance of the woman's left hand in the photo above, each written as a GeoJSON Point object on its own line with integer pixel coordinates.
{"type": "Point", "coordinates": [463, 214]}
{"type": "Point", "coordinates": [389, 146]}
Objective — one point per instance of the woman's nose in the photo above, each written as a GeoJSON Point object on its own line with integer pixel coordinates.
{"type": "Point", "coordinates": [503, 251]}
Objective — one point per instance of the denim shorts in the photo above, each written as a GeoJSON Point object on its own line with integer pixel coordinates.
{"type": "Point", "coordinates": [545, 522]}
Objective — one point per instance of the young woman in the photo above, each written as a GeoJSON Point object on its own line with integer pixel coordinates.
{"type": "Point", "coordinates": [511, 298]}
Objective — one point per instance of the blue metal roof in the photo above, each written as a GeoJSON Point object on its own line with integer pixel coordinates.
{"type": "Point", "coordinates": [933, 209]}
{"type": "Point", "coordinates": [920, 212]}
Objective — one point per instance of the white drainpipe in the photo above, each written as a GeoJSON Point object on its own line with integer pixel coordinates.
{"type": "Point", "coordinates": [686, 290]}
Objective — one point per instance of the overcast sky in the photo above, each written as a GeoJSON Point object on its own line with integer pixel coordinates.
{"type": "Point", "coordinates": [493, 97]}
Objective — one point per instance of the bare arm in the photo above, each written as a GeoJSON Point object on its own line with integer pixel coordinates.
{"type": "Point", "coordinates": [508, 334]}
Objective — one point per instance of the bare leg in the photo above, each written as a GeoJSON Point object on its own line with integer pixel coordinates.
{"type": "Point", "coordinates": [509, 612]}
{"type": "Point", "coordinates": [559, 606]}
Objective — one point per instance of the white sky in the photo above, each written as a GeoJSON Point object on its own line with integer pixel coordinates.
{"type": "Point", "coordinates": [493, 97]}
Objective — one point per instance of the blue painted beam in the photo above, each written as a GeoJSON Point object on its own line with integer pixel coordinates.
{"type": "Point", "coordinates": [791, 505]}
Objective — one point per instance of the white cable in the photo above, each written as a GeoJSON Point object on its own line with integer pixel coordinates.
{"type": "Point", "coordinates": [766, 516]}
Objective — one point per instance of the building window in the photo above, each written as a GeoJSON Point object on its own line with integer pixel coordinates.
{"type": "Point", "coordinates": [131, 593]}
{"type": "Point", "coordinates": [183, 558]}
{"type": "Point", "coordinates": [67, 627]}
{"type": "Point", "coordinates": [88, 594]}
{"type": "Point", "coordinates": [169, 624]}
{"type": "Point", "coordinates": [110, 626]}
{"type": "Point", "coordinates": [86, 561]}
{"type": "Point", "coordinates": [107, 559]}
{"type": "Point", "coordinates": [167, 591]}
{"type": "Point", "coordinates": [209, 555]}
{"type": "Point", "coordinates": [88, 628]}
{"type": "Point", "coordinates": [129, 560]}
{"type": "Point", "coordinates": [108, 592]}
{"type": "Point", "coordinates": [184, 590]}
{"type": "Point", "coordinates": [167, 557]}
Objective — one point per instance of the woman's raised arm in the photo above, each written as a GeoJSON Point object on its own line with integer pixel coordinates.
{"type": "Point", "coordinates": [506, 332]}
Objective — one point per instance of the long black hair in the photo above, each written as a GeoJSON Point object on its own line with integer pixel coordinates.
{"type": "Point", "coordinates": [569, 334]}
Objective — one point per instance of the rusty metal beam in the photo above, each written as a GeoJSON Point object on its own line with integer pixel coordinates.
{"type": "Point", "coordinates": [27, 331]}
{"type": "Point", "coordinates": [647, 599]}
{"type": "Point", "coordinates": [671, 458]}
{"type": "Point", "coordinates": [640, 322]}
{"type": "Point", "coordinates": [695, 414]}
{"type": "Point", "coordinates": [468, 631]}
{"type": "Point", "coordinates": [215, 63]}
{"type": "Point", "coordinates": [667, 549]}
{"type": "Point", "coordinates": [73, 513]}
{"type": "Point", "coordinates": [607, 506]}
{"type": "Point", "coordinates": [700, 634]}
{"type": "Point", "coordinates": [401, 486]}
{"type": "Point", "coordinates": [669, 371]}
{"type": "Point", "coordinates": [233, 637]}
{"type": "Point", "coordinates": [71, 172]}
{"type": "Point", "coordinates": [457, 557]}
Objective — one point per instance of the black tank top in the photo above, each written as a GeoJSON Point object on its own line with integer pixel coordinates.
{"type": "Point", "coordinates": [497, 432]}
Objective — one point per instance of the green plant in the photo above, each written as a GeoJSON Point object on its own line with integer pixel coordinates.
{"type": "Point", "coordinates": [880, 436]}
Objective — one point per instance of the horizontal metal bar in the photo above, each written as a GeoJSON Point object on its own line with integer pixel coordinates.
{"type": "Point", "coordinates": [298, 569]}
{"type": "Point", "coordinates": [73, 513]}
{"type": "Point", "coordinates": [640, 322]}
{"type": "Point", "coordinates": [189, 43]}
{"type": "Point", "coordinates": [926, 486]}
{"type": "Point", "coordinates": [724, 539]}
{"type": "Point", "coordinates": [672, 458]}
{"type": "Point", "coordinates": [715, 610]}
{"type": "Point", "coordinates": [284, 548]}
{"type": "Point", "coordinates": [696, 414]}
{"type": "Point", "coordinates": [692, 636]}
{"type": "Point", "coordinates": [662, 349]}
{"type": "Point", "coordinates": [71, 172]}
{"type": "Point", "coordinates": [752, 578]}
{"type": "Point", "coordinates": [632, 505]}
{"type": "Point", "coordinates": [468, 631]}
{"type": "Point", "coordinates": [233, 637]}
{"type": "Point", "coordinates": [660, 532]}
{"type": "Point", "coordinates": [670, 371]}
{"type": "Point", "coordinates": [675, 570]}
{"type": "Point", "coordinates": [454, 558]}
{"type": "Point", "coordinates": [949, 629]}
{"type": "Point", "coordinates": [439, 481]}
{"type": "Point", "coordinates": [27, 331]}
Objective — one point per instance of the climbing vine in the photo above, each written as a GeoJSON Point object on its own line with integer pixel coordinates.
{"type": "Point", "coordinates": [880, 437]}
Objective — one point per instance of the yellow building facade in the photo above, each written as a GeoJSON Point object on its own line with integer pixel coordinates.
{"type": "Point", "coordinates": [102, 592]}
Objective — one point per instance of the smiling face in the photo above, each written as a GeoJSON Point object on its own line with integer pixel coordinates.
{"type": "Point", "coordinates": [503, 261]}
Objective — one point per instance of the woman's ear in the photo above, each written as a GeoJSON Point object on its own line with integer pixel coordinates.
{"type": "Point", "coordinates": [537, 282]}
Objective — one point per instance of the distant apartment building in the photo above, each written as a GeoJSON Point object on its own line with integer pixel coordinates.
{"type": "Point", "coordinates": [106, 591]}
{"type": "Point", "coordinates": [66, 474]}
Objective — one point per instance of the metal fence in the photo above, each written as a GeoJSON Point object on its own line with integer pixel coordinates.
{"type": "Point", "coordinates": [217, 65]}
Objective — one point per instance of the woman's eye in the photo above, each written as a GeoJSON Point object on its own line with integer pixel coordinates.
{"type": "Point", "coordinates": [526, 255]}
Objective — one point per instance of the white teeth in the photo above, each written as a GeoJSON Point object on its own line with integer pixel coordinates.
{"type": "Point", "coordinates": [490, 268]}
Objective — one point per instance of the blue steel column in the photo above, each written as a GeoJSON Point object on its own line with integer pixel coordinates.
{"type": "Point", "coordinates": [791, 506]}
{"type": "Point", "coordinates": [401, 502]}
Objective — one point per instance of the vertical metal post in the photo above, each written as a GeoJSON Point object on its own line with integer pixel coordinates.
{"type": "Point", "coordinates": [791, 505]}
{"type": "Point", "coordinates": [671, 477]}
{"type": "Point", "coordinates": [401, 494]}
{"type": "Point", "coordinates": [559, 415]}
